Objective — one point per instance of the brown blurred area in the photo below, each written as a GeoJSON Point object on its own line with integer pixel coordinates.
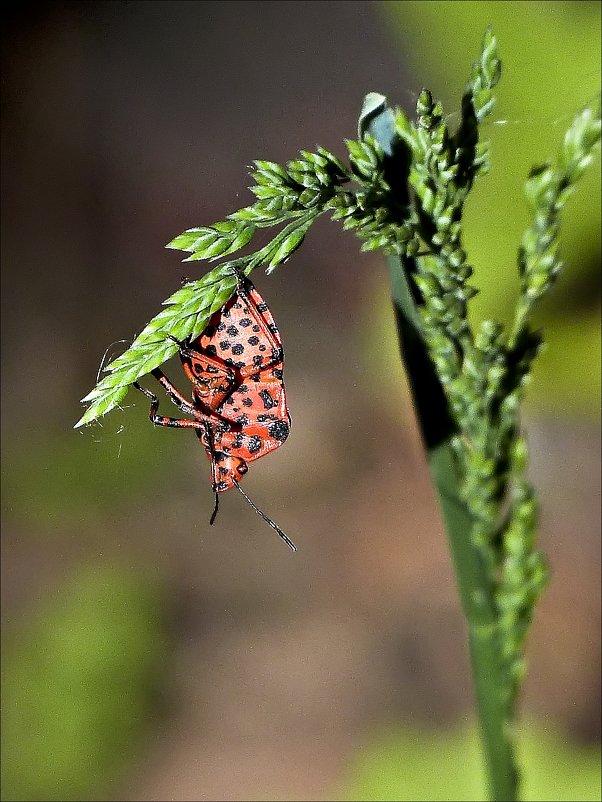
{"type": "Point", "coordinates": [123, 125]}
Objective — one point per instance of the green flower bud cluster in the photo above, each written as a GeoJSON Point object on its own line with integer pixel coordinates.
{"type": "Point", "coordinates": [485, 74]}
{"type": "Point", "coordinates": [484, 381]}
{"type": "Point", "coordinates": [484, 374]}
{"type": "Point", "coordinates": [283, 194]}
{"type": "Point", "coordinates": [307, 182]}
{"type": "Point", "coordinates": [476, 408]}
{"type": "Point", "coordinates": [472, 156]}
{"type": "Point", "coordinates": [547, 190]}
{"type": "Point", "coordinates": [523, 573]}
{"type": "Point", "coordinates": [370, 210]}
{"type": "Point", "coordinates": [442, 274]}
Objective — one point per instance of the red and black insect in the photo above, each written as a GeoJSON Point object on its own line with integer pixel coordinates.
{"type": "Point", "coordinates": [238, 402]}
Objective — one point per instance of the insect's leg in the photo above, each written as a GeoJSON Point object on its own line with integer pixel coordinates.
{"type": "Point", "coordinates": [215, 508]}
{"type": "Point", "coordinates": [211, 448]}
{"type": "Point", "coordinates": [227, 424]}
{"type": "Point", "coordinates": [175, 395]}
{"type": "Point", "coordinates": [160, 420]}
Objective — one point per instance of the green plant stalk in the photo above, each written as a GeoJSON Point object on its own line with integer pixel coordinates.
{"type": "Point", "coordinates": [471, 573]}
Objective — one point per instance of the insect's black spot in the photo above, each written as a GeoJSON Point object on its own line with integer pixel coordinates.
{"type": "Point", "coordinates": [211, 369]}
{"type": "Point", "coordinates": [237, 306]}
{"type": "Point", "coordinates": [254, 377]}
{"type": "Point", "coordinates": [243, 420]}
{"type": "Point", "coordinates": [226, 313]}
{"type": "Point", "coordinates": [232, 331]}
{"type": "Point", "coordinates": [229, 361]}
{"type": "Point", "coordinates": [279, 430]}
{"type": "Point", "coordinates": [238, 441]}
{"type": "Point", "coordinates": [262, 307]}
{"type": "Point", "coordinates": [246, 321]}
{"type": "Point", "coordinates": [243, 467]}
{"type": "Point", "coordinates": [222, 471]}
{"type": "Point", "coordinates": [239, 365]}
{"type": "Point", "coordinates": [236, 409]}
{"type": "Point", "coordinates": [254, 444]}
{"type": "Point", "coordinates": [221, 326]}
{"type": "Point", "coordinates": [229, 401]}
{"type": "Point", "coordinates": [222, 426]}
{"type": "Point", "coordinates": [272, 328]}
{"type": "Point", "coordinates": [257, 360]}
{"type": "Point", "coordinates": [237, 349]}
{"type": "Point", "coordinates": [268, 401]}
{"type": "Point", "coordinates": [262, 348]}
{"type": "Point", "coordinates": [247, 402]}
{"type": "Point", "coordinates": [221, 486]}
{"type": "Point", "coordinates": [277, 373]}
{"type": "Point", "coordinates": [253, 340]}
{"type": "Point", "coordinates": [243, 388]}
{"type": "Point", "coordinates": [256, 328]}
{"type": "Point", "coordinates": [224, 345]}
{"type": "Point", "coordinates": [198, 368]}
{"type": "Point", "coordinates": [266, 417]}
{"type": "Point", "coordinates": [211, 350]}
{"type": "Point", "coordinates": [219, 456]}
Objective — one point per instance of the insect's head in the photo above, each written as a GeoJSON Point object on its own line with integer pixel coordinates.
{"type": "Point", "coordinates": [227, 469]}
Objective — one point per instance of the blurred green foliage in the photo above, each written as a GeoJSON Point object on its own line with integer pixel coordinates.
{"type": "Point", "coordinates": [79, 680]}
{"type": "Point", "coordinates": [127, 454]}
{"type": "Point", "coordinates": [415, 765]}
{"type": "Point", "coordinates": [551, 56]}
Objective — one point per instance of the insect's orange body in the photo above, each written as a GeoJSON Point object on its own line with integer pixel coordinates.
{"type": "Point", "coordinates": [238, 398]}
{"type": "Point", "coordinates": [235, 367]}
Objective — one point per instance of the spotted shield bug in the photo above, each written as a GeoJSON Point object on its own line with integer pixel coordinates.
{"type": "Point", "coordinates": [238, 401]}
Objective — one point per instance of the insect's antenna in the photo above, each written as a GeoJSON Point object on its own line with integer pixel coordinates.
{"type": "Point", "coordinates": [215, 509]}
{"type": "Point", "coordinates": [269, 521]}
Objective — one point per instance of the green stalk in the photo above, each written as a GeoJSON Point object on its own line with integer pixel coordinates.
{"type": "Point", "coordinates": [472, 575]}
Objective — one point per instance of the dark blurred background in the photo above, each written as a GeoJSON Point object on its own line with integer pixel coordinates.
{"type": "Point", "coordinates": [148, 656]}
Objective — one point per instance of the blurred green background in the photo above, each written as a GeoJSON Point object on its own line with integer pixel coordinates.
{"type": "Point", "coordinates": [148, 656]}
